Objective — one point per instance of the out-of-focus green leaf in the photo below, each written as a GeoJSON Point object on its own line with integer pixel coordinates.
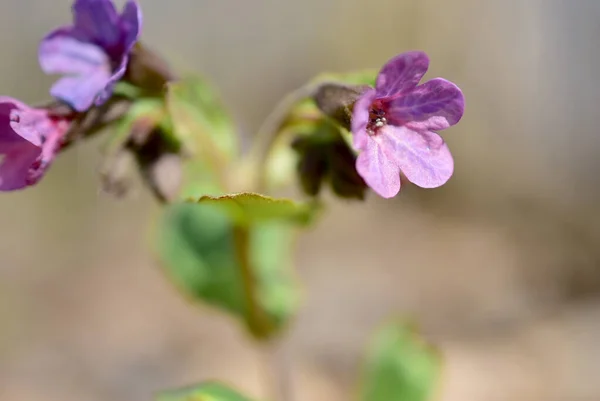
{"type": "Point", "coordinates": [209, 391]}
{"type": "Point", "coordinates": [200, 120]}
{"type": "Point", "coordinates": [362, 77]}
{"type": "Point", "coordinates": [209, 257]}
{"type": "Point", "coordinates": [400, 366]}
{"type": "Point", "coordinates": [147, 111]}
{"type": "Point", "coordinates": [126, 89]}
{"type": "Point", "coordinates": [304, 117]}
{"type": "Point", "coordinates": [280, 165]}
{"type": "Point", "coordinates": [324, 157]}
{"type": "Point", "coordinates": [198, 180]}
{"type": "Point", "coordinates": [248, 208]}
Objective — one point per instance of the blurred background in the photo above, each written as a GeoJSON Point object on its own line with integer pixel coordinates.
{"type": "Point", "coordinates": [501, 267]}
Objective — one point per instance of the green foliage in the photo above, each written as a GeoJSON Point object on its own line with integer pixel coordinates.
{"type": "Point", "coordinates": [305, 118]}
{"type": "Point", "coordinates": [400, 366]}
{"type": "Point", "coordinates": [127, 89]}
{"type": "Point", "coordinates": [235, 256]}
{"type": "Point", "coordinates": [147, 111]}
{"type": "Point", "coordinates": [363, 77]}
{"type": "Point", "coordinates": [200, 120]}
{"type": "Point", "coordinates": [209, 391]}
{"type": "Point", "coordinates": [249, 208]}
{"type": "Point", "coordinates": [325, 158]}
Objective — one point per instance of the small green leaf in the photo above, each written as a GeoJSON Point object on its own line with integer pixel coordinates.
{"type": "Point", "coordinates": [200, 119]}
{"type": "Point", "coordinates": [400, 366]}
{"type": "Point", "coordinates": [209, 391]}
{"type": "Point", "coordinates": [249, 208]}
{"type": "Point", "coordinates": [208, 260]}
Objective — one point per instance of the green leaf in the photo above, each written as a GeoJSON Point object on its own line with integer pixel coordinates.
{"type": "Point", "coordinates": [200, 120]}
{"type": "Point", "coordinates": [198, 180]}
{"type": "Point", "coordinates": [400, 366]}
{"type": "Point", "coordinates": [209, 391]}
{"type": "Point", "coordinates": [208, 257]}
{"type": "Point", "coordinates": [248, 208]}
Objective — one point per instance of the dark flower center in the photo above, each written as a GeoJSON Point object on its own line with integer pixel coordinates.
{"type": "Point", "coordinates": [377, 118]}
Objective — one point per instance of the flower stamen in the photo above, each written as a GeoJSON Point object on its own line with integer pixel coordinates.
{"type": "Point", "coordinates": [376, 120]}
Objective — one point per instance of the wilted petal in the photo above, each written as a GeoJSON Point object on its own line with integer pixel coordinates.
{"type": "Point", "coordinates": [130, 24]}
{"type": "Point", "coordinates": [18, 152]}
{"type": "Point", "coordinates": [401, 73]}
{"type": "Point", "coordinates": [99, 20]}
{"type": "Point", "coordinates": [29, 142]}
{"type": "Point", "coordinates": [86, 66]}
{"type": "Point", "coordinates": [423, 157]}
{"type": "Point", "coordinates": [360, 119]}
{"type": "Point", "coordinates": [379, 172]}
{"type": "Point", "coordinates": [435, 105]}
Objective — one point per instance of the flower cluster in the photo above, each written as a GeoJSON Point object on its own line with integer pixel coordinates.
{"type": "Point", "coordinates": [394, 124]}
{"type": "Point", "coordinates": [92, 54]}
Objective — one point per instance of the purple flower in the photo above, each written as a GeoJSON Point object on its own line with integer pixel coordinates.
{"type": "Point", "coordinates": [29, 141]}
{"type": "Point", "coordinates": [394, 126]}
{"type": "Point", "coordinates": [92, 54]}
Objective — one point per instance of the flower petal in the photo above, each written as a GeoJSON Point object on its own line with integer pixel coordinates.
{"type": "Point", "coordinates": [54, 133]}
{"type": "Point", "coordinates": [131, 24]}
{"type": "Point", "coordinates": [435, 105]}
{"type": "Point", "coordinates": [60, 53]}
{"type": "Point", "coordinates": [80, 92]}
{"type": "Point", "coordinates": [423, 157]}
{"type": "Point", "coordinates": [378, 171]}
{"type": "Point", "coordinates": [99, 20]}
{"type": "Point", "coordinates": [22, 119]}
{"type": "Point", "coordinates": [105, 93]}
{"type": "Point", "coordinates": [360, 119]}
{"type": "Point", "coordinates": [18, 150]}
{"type": "Point", "coordinates": [87, 66]}
{"type": "Point", "coordinates": [402, 73]}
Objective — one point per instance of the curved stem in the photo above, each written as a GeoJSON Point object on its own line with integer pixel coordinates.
{"type": "Point", "coordinates": [268, 132]}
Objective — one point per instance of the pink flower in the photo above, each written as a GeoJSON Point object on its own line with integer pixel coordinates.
{"type": "Point", "coordinates": [394, 126]}
{"type": "Point", "coordinates": [29, 141]}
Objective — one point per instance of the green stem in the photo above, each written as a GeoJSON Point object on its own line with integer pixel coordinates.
{"type": "Point", "coordinates": [257, 321]}
{"type": "Point", "coordinates": [268, 133]}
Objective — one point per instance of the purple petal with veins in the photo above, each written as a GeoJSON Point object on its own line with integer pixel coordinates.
{"type": "Point", "coordinates": [401, 73]}
{"type": "Point", "coordinates": [394, 126]}
{"type": "Point", "coordinates": [423, 157]}
{"type": "Point", "coordinates": [378, 171]}
{"type": "Point", "coordinates": [435, 105]}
